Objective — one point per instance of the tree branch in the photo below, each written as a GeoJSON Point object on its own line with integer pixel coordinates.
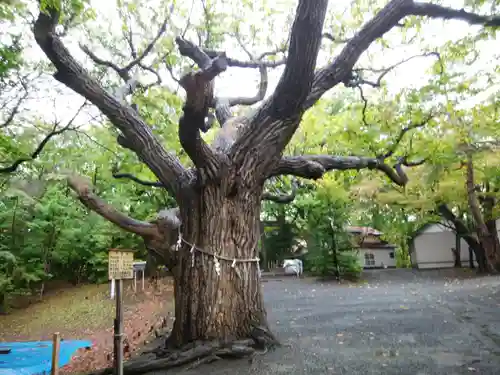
{"type": "Point", "coordinates": [340, 70]}
{"type": "Point", "coordinates": [159, 235]}
{"type": "Point", "coordinates": [358, 80]}
{"type": "Point", "coordinates": [258, 62]}
{"type": "Point", "coordinates": [305, 41]}
{"type": "Point", "coordinates": [268, 129]}
{"type": "Point", "coordinates": [222, 106]}
{"type": "Point", "coordinates": [14, 111]}
{"type": "Point", "coordinates": [333, 39]}
{"type": "Point", "coordinates": [124, 72]}
{"type": "Point", "coordinates": [261, 91]}
{"type": "Point", "coordinates": [199, 90]}
{"type": "Point", "coordinates": [38, 150]}
{"type": "Point", "coordinates": [90, 200]}
{"type": "Point", "coordinates": [137, 180]}
{"type": "Point", "coordinates": [137, 60]}
{"type": "Point", "coordinates": [266, 196]}
{"type": "Point", "coordinates": [137, 133]}
{"type": "Point", "coordinates": [395, 143]}
{"type": "Point", "coordinates": [438, 11]}
{"type": "Point", "coordinates": [402, 133]}
{"type": "Point", "coordinates": [315, 166]}
{"type": "Point", "coordinates": [281, 198]}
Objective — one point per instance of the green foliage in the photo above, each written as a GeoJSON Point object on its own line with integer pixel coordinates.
{"type": "Point", "coordinates": [278, 241]}
{"type": "Point", "coordinates": [326, 215]}
{"type": "Point", "coordinates": [10, 49]}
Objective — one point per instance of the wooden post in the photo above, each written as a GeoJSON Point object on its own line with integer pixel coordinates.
{"type": "Point", "coordinates": [56, 341]}
{"type": "Point", "coordinates": [120, 266]}
{"type": "Point", "coordinates": [135, 281]}
{"type": "Point", "coordinates": [143, 270]}
{"type": "Point", "coordinates": [118, 347]}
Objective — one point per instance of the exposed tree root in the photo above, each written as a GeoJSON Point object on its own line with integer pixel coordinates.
{"type": "Point", "coordinates": [198, 353]}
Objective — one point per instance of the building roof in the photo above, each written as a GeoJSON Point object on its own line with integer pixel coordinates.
{"type": "Point", "coordinates": [368, 231]}
{"type": "Point", "coordinates": [423, 227]}
{"type": "Point", "coordinates": [382, 246]}
{"type": "Point", "coordinates": [364, 230]}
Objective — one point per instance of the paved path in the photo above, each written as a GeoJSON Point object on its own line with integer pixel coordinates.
{"type": "Point", "coordinates": [399, 323]}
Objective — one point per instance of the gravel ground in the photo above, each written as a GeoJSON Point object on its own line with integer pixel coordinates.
{"type": "Point", "coordinates": [398, 322]}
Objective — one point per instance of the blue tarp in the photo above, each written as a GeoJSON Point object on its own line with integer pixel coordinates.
{"type": "Point", "coordinates": [34, 358]}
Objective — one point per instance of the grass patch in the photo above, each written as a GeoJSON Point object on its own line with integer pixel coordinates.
{"type": "Point", "coordinates": [72, 311]}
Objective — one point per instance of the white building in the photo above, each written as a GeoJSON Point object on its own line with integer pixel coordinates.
{"type": "Point", "coordinates": [434, 246]}
{"type": "Point", "coordinates": [373, 252]}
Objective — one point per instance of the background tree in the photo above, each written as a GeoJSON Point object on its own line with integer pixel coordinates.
{"type": "Point", "coordinates": [324, 220]}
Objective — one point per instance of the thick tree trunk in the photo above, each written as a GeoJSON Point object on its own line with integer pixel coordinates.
{"type": "Point", "coordinates": [486, 238]}
{"type": "Point", "coordinates": [3, 304]}
{"type": "Point", "coordinates": [222, 305]}
{"type": "Point", "coordinates": [492, 229]}
{"type": "Point", "coordinates": [464, 232]}
{"type": "Point", "coordinates": [457, 252]}
{"type": "Point", "coordinates": [488, 204]}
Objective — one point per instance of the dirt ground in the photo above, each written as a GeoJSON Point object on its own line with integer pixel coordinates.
{"type": "Point", "coordinates": [87, 312]}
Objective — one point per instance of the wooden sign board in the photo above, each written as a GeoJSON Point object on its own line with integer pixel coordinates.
{"type": "Point", "coordinates": [120, 264]}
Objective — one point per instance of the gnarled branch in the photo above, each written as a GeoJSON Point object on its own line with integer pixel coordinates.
{"type": "Point", "coordinates": [265, 132]}
{"type": "Point", "coordinates": [305, 41]}
{"type": "Point", "coordinates": [315, 166]}
{"type": "Point", "coordinates": [199, 90]}
{"type": "Point", "coordinates": [159, 235]}
{"type": "Point", "coordinates": [266, 196]}
{"type": "Point", "coordinates": [222, 106]}
{"type": "Point", "coordinates": [438, 11]}
{"type": "Point", "coordinates": [340, 70]}
{"type": "Point", "coordinates": [89, 199]}
{"type": "Point", "coordinates": [138, 135]}
{"type": "Point", "coordinates": [272, 125]}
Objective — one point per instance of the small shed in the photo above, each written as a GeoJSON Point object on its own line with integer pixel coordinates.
{"type": "Point", "coordinates": [436, 245]}
{"type": "Point", "coordinates": [373, 251]}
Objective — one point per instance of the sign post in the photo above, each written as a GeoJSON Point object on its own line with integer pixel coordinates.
{"type": "Point", "coordinates": [56, 342]}
{"type": "Point", "coordinates": [120, 267]}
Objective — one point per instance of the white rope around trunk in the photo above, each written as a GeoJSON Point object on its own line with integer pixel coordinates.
{"type": "Point", "coordinates": [216, 257]}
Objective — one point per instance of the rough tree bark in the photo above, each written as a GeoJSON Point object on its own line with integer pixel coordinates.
{"type": "Point", "coordinates": [457, 253]}
{"type": "Point", "coordinates": [219, 304]}
{"type": "Point", "coordinates": [464, 232]}
{"type": "Point", "coordinates": [487, 239]}
{"type": "Point", "coordinates": [488, 200]}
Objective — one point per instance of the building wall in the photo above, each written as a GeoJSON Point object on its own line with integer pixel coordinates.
{"type": "Point", "coordinates": [432, 248]}
{"type": "Point", "coordinates": [382, 256]}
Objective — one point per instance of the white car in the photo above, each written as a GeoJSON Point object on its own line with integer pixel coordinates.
{"type": "Point", "coordinates": [293, 267]}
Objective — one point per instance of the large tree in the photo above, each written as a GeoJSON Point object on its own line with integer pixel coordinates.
{"type": "Point", "coordinates": [217, 289]}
